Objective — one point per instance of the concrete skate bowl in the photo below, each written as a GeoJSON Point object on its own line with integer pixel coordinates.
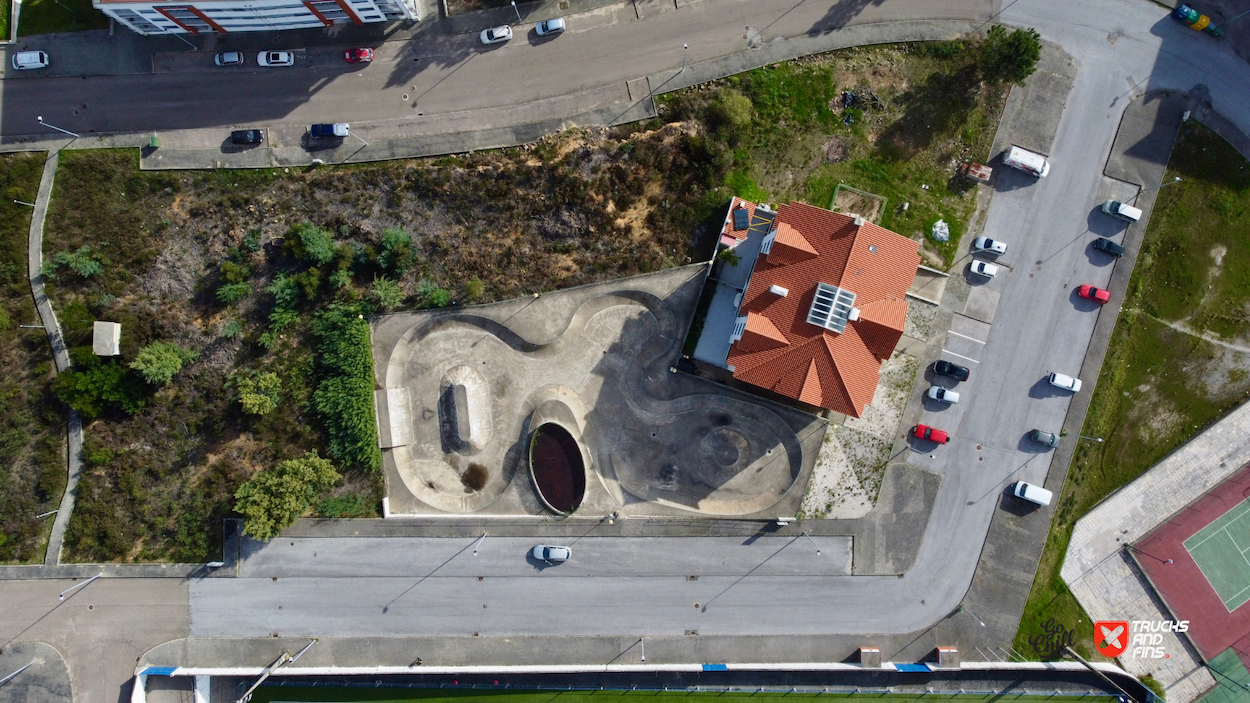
{"type": "Point", "coordinates": [557, 468]}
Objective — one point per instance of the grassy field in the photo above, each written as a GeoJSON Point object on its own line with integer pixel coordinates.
{"type": "Point", "coordinates": [265, 694]}
{"type": "Point", "coordinates": [48, 16]}
{"type": "Point", "coordinates": [919, 111]}
{"type": "Point", "coordinates": [32, 424]}
{"type": "Point", "coordinates": [1178, 358]}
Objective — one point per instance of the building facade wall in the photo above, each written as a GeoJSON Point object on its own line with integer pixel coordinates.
{"type": "Point", "coordinates": [223, 16]}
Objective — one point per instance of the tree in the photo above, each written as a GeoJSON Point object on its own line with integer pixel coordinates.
{"type": "Point", "coordinates": [387, 293]}
{"type": "Point", "coordinates": [397, 253]}
{"type": "Point", "coordinates": [1009, 58]}
{"type": "Point", "coordinates": [731, 114]}
{"type": "Point", "coordinates": [94, 384]}
{"type": "Point", "coordinates": [83, 262]}
{"type": "Point", "coordinates": [258, 394]}
{"type": "Point", "coordinates": [274, 498]}
{"type": "Point", "coordinates": [310, 243]}
{"type": "Point", "coordinates": [159, 362]}
{"type": "Point", "coordinates": [229, 293]}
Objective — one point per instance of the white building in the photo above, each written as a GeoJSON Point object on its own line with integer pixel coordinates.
{"type": "Point", "coordinates": [207, 16]}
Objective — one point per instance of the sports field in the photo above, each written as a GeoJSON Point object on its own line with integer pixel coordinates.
{"type": "Point", "coordinates": [266, 694]}
{"type": "Point", "coordinates": [1222, 552]}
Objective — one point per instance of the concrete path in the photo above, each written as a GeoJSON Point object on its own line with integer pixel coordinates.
{"type": "Point", "coordinates": [60, 354]}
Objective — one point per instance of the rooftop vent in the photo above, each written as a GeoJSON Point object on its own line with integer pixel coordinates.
{"type": "Point", "coordinates": [778, 291]}
{"type": "Point", "coordinates": [854, 315]}
{"type": "Point", "coordinates": [831, 308]}
{"type": "Point", "coordinates": [872, 248]}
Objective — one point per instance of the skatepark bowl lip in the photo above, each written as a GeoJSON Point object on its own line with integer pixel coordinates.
{"type": "Point", "coordinates": [547, 466]}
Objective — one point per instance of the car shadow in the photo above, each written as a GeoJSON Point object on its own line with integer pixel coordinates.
{"type": "Point", "coordinates": [1104, 225]}
{"type": "Point", "coordinates": [323, 144]}
{"type": "Point", "coordinates": [1028, 446]}
{"type": "Point", "coordinates": [229, 147]}
{"type": "Point", "coordinates": [976, 279]}
{"type": "Point", "coordinates": [919, 444]}
{"type": "Point", "coordinates": [538, 564]}
{"type": "Point", "coordinates": [1016, 506]}
{"type": "Point", "coordinates": [1007, 179]}
{"type": "Point", "coordinates": [1043, 389]}
{"type": "Point", "coordinates": [1083, 304]}
{"type": "Point", "coordinates": [536, 39]}
{"type": "Point", "coordinates": [931, 405]}
{"type": "Point", "coordinates": [1097, 257]}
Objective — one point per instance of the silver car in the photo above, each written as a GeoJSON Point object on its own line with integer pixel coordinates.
{"type": "Point", "coordinates": [983, 268]}
{"type": "Point", "coordinates": [992, 246]}
{"type": "Point", "coordinates": [552, 554]}
{"type": "Point", "coordinates": [496, 35]}
{"type": "Point", "coordinates": [1066, 382]}
{"type": "Point", "coordinates": [554, 25]}
{"type": "Point", "coordinates": [943, 395]}
{"type": "Point", "coordinates": [229, 58]}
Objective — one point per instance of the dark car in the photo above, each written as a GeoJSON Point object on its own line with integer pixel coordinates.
{"type": "Point", "coordinates": [247, 136]}
{"type": "Point", "coordinates": [1109, 247]}
{"type": "Point", "coordinates": [943, 367]}
{"type": "Point", "coordinates": [335, 130]}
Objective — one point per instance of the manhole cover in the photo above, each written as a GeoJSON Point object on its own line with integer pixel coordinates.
{"type": "Point", "coordinates": [726, 453]}
{"type": "Point", "coordinates": [978, 447]}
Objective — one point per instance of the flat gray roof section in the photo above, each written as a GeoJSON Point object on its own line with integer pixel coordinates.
{"type": "Point", "coordinates": [713, 345]}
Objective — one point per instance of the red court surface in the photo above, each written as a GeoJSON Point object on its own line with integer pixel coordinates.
{"type": "Point", "coordinates": [1182, 585]}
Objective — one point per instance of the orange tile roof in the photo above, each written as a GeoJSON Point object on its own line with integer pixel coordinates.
{"type": "Point", "coordinates": [815, 365]}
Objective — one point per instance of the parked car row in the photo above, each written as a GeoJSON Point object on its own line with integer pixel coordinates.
{"type": "Point", "coordinates": [276, 58]}
{"type": "Point", "coordinates": [503, 33]}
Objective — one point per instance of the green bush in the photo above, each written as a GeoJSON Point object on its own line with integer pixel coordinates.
{"type": "Point", "coordinates": [346, 506]}
{"type": "Point", "coordinates": [343, 399]}
{"type": "Point", "coordinates": [1009, 58]}
{"type": "Point", "coordinates": [276, 497]}
{"type": "Point", "coordinates": [231, 329]}
{"type": "Point", "coordinates": [433, 296]}
{"type": "Point", "coordinates": [159, 362]}
{"type": "Point", "coordinates": [94, 387]}
{"type": "Point", "coordinates": [387, 293]}
{"type": "Point", "coordinates": [397, 254]}
{"type": "Point", "coordinates": [310, 243]}
{"type": "Point", "coordinates": [474, 288]}
{"type": "Point", "coordinates": [731, 114]}
{"type": "Point", "coordinates": [234, 273]}
{"type": "Point", "coordinates": [258, 393]}
{"type": "Point", "coordinates": [229, 293]}
{"type": "Point", "coordinates": [83, 262]}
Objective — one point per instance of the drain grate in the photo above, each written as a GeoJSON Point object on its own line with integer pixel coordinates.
{"type": "Point", "coordinates": [692, 578]}
{"type": "Point", "coordinates": [692, 632]}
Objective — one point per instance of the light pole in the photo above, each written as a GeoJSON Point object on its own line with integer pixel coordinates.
{"type": "Point", "coordinates": [643, 643]}
{"type": "Point", "coordinates": [685, 51]}
{"type": "Point", "coordinates": [809, 539]}
{"type": "Point", "coordinates": [15, 673]}
{"type": "Point", "coordinates": [479, 543]}
{"type": "Point", "coordinates": [974, 616]}
{"type": "Point", "coordinates": [45, 124]}
{"type": "Point", "coordinates": [518, 12]}
{"type": "Point", "coordinates": [1174, 181]}
{"type": "Point", "coordinates": [23, 202]}
{"type": "Point", "coordinates": [1096, 439]}
{"type": "Point", "coordinates": [78, 585]}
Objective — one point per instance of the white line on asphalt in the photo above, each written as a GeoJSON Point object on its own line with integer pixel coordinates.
{"type": "Point", "coordinates": [978, 341]}
{"type": "Point", "coordinates": [961, 356]}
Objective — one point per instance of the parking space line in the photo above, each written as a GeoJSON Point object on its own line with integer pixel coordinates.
{"type": "Point", "coordinates": [974, 339]}
{"type": "Point", "coordinates": [961, 356]}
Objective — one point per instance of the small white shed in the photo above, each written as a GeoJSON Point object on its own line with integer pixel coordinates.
{"type": "Point", "coordinates": [106, 338]}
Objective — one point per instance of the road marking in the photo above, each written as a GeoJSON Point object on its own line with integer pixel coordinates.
{"type": "Point", "coordinates": [974, 339]}
{"type": "Point", "coordinates": [961, 356]}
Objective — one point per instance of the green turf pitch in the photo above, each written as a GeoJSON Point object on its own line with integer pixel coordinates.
{"type": "Point", "coordinates": [1222, 552]}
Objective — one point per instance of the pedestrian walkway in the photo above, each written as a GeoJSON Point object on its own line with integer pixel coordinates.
{"type": "Point", "coordinates": [60, 354]}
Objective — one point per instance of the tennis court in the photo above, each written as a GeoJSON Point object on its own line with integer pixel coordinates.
{"type": "Point", "coordinates": [1222, 552]}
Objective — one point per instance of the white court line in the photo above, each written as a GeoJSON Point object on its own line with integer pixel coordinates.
{"type": "Point", "coordinates": [974, 339]}
{"type": "Point", "coordinates": [961, 356]}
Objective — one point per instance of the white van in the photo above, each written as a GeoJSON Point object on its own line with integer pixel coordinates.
{"type": "Point", "coordinates": [1031, 493]}
{"type": "Point", "coordinates": [1122, 211]}
{"type": "Point", "coordinates": [1026, 161]}
{"type": "Point", "coordinates": [23, 60]}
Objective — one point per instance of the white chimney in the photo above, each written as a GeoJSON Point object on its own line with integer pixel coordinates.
{"type": "Point", "coordinates": [859, 220]}
{"type": "Point", "coordinates": [854, 315]}
{"type": "Point", "coordinates": [779, 291]}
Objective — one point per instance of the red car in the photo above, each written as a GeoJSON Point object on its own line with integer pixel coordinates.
{"type": "Point", "coordinates": [932, 434]}
{"type": "Point", "coordinates": [1097, 295]}
{"type": "Point", "coordinates": [358, 55]}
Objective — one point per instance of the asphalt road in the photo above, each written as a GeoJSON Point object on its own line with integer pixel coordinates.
{"type": "Point", "coordinates": [439, 73]}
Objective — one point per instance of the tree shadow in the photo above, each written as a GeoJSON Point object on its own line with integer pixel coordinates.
{"type": "Point", "coordinates": [932, 109]}
{"type": "Point", "coordinates": [836, 17]}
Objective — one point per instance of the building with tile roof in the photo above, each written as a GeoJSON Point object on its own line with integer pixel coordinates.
{"type": "Point", "coordinates": [822, 307]}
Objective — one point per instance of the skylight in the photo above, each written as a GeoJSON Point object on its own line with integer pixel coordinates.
{"type": "Point", "coordinates": [830, 307]}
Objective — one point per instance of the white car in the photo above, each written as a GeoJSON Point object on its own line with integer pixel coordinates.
{"type": "Point", "coordinates": [984, 268]}
{"type": "Point", "coordinates": [24, 60]}
{"type": "Point", "coordinates": [1065, 382]}
{"type": "Point", "coordinates": [551, 553]}
{"type": "Point", "coordinates": [275, 58]}
{"type": "Point", "coordinates": [496, 35]}
{"type": "Point", "coordinates": [943, 395]}
{"type": "Point", "coordinates": [551, 26]}
{"type": "Point", "coordinates": [1031, 493]}
{"type": "Point", "coordinates": [229, 58]}
{"type": "Point", "coordinates": [993, 246]}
